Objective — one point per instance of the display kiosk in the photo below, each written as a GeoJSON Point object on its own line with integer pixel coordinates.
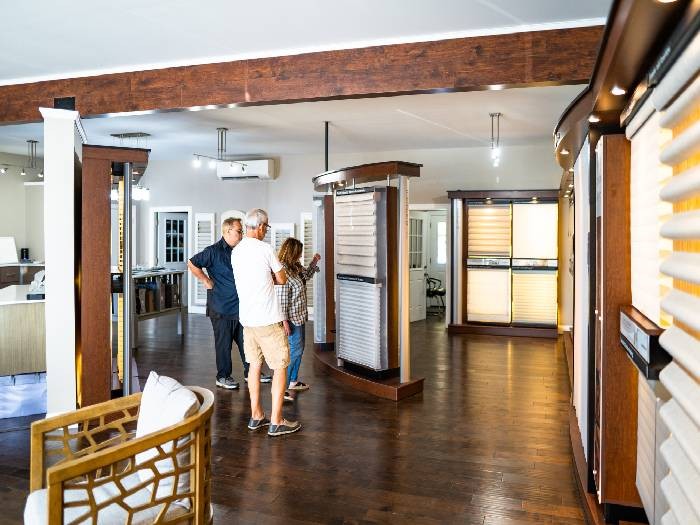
{"type": "Point", "coordinates": [361, 316]}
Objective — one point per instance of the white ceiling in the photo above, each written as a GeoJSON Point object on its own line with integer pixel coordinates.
{"type": "Point", "coordinates": [44, 39]}
{"type": "Point", "coordinates": [446, 120]}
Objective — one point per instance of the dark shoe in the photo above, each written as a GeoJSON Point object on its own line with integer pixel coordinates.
{"type": "Point", "coordinates": [286, 427]}
{"type": "Point", "coordinates": [299, 386]}
{"type": "Point", "coordinates": [255, 424]}
{"type": "Point", "coordinates": [228, 383]}
{"type": "Point", "coordinates": [288, 396]}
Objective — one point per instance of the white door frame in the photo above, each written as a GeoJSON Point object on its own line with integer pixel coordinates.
{"type": "Point", "coordinates": [151, 246]}
{"type": "Point", "coordinates": [448, 266]}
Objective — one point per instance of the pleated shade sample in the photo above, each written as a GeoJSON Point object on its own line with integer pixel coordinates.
{"type": "Point", "coordinates": [488, 295]}
{"type": "Point", "coordinates": [535, 297]}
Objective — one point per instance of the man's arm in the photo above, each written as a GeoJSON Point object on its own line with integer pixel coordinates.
{"type": "Point", "coordinates": [200, 275]}
{"type": "Point", "coordinates": [280, 277]}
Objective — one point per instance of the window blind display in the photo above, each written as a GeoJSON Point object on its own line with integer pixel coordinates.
{"type": "Point", "coordinates": [535, 230]}
{"type": "Point", "coordinates": [489, 230]}
{"type": "Point", "coordinates": [681, 377]}
{"type": "Point", "coordinates": [489, 295]}
{"type": "Point", "coordinates": [535, 297]}
{"type": "Point", "coordinates": [362, 285]}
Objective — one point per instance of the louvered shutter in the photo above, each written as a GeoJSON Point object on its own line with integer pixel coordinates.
{"type": "Point", "coordinates": [678, 99]}
{"type": "Point", "coordinates": [280, 232]}
{"type": "Point", "coordinates": [308, 240]}
{"type": "Point", "coordinates": [204, 236]}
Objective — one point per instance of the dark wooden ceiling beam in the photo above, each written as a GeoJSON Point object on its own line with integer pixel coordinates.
{"type": "Point", "coordinates": [562, 56]}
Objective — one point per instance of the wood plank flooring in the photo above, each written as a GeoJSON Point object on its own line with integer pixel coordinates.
{"type": "Point", "coordinates": [485, 443]}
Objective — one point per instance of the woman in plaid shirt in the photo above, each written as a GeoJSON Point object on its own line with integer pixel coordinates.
{"type": "Point", "coordinates": [292, 299]}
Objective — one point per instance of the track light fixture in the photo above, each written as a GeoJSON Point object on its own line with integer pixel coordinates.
{"type": "Point", "coordinates": [495, 139]}
{"type": "Point", "coordinates": [220, 153]}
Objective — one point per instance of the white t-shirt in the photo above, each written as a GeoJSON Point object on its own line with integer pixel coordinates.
{"type": "Point", "coordinates": [252, 261]}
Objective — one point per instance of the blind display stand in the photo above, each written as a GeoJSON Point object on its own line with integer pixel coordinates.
{"type": "Point", "coordinates": [361, 297]}
{"type": "Point", "coordinates": [504, 263]}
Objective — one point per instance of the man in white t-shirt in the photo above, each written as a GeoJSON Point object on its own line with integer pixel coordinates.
{"type": "Point", "coordinates": [256, 270]}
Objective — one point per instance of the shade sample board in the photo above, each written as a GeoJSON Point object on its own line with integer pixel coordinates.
{"type": "Point", "coordinates": [488, 295]}
{"type": "Point", "coordinates": [535, 230]}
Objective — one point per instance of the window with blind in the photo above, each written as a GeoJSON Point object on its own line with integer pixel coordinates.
{"type": "Point", "coordinates": [489, 230]}
{"type": "Point", "coordinates": [678, 100]}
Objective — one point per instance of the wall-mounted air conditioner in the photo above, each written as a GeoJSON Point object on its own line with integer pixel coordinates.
{"type": "Point", "coordinates": [261, 169]}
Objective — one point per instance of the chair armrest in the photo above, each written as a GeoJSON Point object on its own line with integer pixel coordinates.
{"type": "Point", "coordinates": [93, 419]}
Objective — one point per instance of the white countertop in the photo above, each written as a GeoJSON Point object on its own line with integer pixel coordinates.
{"type": "Point", "coordinates": [16, 294]}
{"type": "Point", "coordinates": [3, 265]}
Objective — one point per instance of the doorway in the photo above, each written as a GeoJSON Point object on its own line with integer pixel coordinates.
{"type": "Point", "coordinates": [427, 259]}
{"type": "Point", "coordinates": [418, 226]}
{"type": "Point", "coordinates": [171, 244]}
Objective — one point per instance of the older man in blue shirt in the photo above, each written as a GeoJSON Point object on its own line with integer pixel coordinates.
{"type": "Point", "coordinates": [222, 301]}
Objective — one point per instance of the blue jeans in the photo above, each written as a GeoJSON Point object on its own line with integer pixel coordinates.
{"type": "Point", "coordinates": [296, 349]}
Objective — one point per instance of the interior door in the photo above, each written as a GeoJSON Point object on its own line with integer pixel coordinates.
{"type": "Point", "coordinates": [172, 240]}
{"type": "Point", "coordinates": [437, 246]}
{"type": "Point", "coordinates": [418, 222]}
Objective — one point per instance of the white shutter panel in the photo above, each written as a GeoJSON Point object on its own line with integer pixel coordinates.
{"type": "Point", "coordinates": [204, 236]}
{"type": "Point", "coordinates": [280, 232]}
{"type": "Point", "coordinates": [308, 240]}
{"type": "Point", "coordinates": [681, 377]}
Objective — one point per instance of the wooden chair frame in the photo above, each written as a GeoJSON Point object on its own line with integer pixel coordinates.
{"type": "Point", "coordinates": [95, 445]}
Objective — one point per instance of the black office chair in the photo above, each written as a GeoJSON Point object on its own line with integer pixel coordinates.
{"type": "Point", "coordinates": [435, 290]}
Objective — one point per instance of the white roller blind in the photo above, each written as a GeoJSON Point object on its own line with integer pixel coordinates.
{"type": "Point", "coordinates": [535, 230]}
{"type": "Point", "coordinates": [204, 236]}
{"type": "Point", "coordinates": [681, 116]}
{"type": "Point", "coordinates": [489, 230]}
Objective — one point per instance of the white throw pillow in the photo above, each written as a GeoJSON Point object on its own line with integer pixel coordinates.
{"type": "Point", "coordinates": [165, 402]}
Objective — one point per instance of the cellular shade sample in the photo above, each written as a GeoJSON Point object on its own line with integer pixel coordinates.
{"type": "Point", "coordinates": [535, 230]}
{"type": "Point", "coordinates": [535, 297]}
{"type": "Point", "coordinates": [489, 230]}
{"type": "Point", "coordinates": [488, 295]}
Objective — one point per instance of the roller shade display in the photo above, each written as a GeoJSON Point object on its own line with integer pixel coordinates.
{"type": "Point", "coordinates": [489, 230]}
{"type": "Point", "coordinates": [488, 295]}
{"type": "Point", "coordinates": [535, 230]}
{"type": "Point", "coordinates": [680, 115]}
{"type": "Point", "coordinates": [535, 297]}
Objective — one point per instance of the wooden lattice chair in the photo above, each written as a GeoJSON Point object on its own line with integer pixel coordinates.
{"type": "Point", "coordinates": [145, 458]}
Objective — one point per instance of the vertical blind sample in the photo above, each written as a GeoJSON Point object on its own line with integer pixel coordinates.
{"type": "Point", "coordinates": [535, 231]}
{"type": "Point", "coordinates": [359, 306]}
{"type": "Point", "coordinates": [535, 297]}
{"type": "Point", "coordinates": [647, 212]}
{"type": "Point", "coordinates": [681, 377]}
{"type": "Point", "coordinates": [356, 234]}
{"type": "Point", "coordinates": [204, 236]}
{"type": "Point", "coordinates": [489, 230]}
{"type": "Point", "coordinates": [488, 295]}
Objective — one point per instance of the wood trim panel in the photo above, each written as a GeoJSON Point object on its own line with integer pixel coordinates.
{"type": "Point", "coordinates": [504, 194]}
{"type": "Point", "coordinates": [329, 261]}
{"type": "Point", "coordinates": [94, 349]}
{"type": "Point", "coordinates": [552, 57]}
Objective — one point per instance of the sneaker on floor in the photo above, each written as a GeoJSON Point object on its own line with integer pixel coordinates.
{"type": "Point", "coordinates": [228, 383]}
{"type": "Point", "coordinates": [299, 386]}
{"type": "Point", "coordinates": [288, 396]}
{"type": "Point", "coordinates": [285, 427]}
{"type": "Point", "coordinates": [264, 378]}
{"type": "Point", "coordinates": [255, 424]}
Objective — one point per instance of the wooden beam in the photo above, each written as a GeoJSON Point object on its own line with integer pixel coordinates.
{"type": "Point", "coordinates": [561, 56]}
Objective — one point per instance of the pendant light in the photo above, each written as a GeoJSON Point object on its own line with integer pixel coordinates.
{"type": "Point", "coordinates": [495, 139]}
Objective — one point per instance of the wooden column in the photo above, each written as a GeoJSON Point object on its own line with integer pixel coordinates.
{"type": "Point", "coordinates": [94, 348]}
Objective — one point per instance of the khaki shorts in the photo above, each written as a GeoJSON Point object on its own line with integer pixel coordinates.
{"type": "Point", "coordinates": [268, 343]}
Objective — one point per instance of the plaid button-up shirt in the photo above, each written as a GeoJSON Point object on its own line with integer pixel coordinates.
{"type": "Point", "coordinates": [292, 295]}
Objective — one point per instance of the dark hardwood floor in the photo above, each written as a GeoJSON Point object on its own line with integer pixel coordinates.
{"type": "Point", "coordinates": [486, 442]}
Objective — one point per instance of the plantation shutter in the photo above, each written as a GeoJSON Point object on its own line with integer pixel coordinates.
{"type": "Point", "coordinates": [308, 240]}
{"type": "Point", "coordinates": [204, 236]}
{"type": "Point", "coordinates": [678, 99]}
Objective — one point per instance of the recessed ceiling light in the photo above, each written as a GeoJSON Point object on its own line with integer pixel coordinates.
{"type": "Point", "coordinates": [593, 119]}
{"type": "Point", "coordinates": [617, 91]}
{"type": "Point", "coordinates": [571, 185]}
{"type": "Point", "coordinates": [564, 151]}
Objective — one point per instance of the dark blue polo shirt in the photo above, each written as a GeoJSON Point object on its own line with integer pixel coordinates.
{"type": "Point", "coordinates": [222, 300]}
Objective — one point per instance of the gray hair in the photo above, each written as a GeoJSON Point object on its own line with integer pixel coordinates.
{"type": "Point", "coordinates": [255, 218]}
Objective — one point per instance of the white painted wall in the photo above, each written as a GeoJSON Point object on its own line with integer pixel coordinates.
{"type": "Point", "coordinates": [21, 208]}
{"type": "Point", "coordinates": [177, 183]}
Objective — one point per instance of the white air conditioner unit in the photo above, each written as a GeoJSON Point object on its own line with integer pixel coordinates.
{"type": "Point", "coordinates": [262, 169]}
